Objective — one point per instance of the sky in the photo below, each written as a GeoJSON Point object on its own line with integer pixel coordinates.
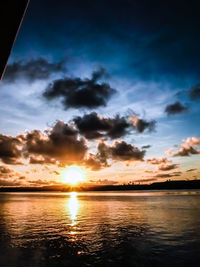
{"type": "Point", "coordinates": [110, 86]}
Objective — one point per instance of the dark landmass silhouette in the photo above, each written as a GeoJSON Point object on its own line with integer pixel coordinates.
{"type": "Point", "coordinates": [167, 185]}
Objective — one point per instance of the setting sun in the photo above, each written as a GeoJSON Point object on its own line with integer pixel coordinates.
{"type": "Point", "coordinates": [73, 175]}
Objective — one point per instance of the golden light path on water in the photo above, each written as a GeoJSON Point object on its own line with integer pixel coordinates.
{"type": "Point", "coordinates": [94, 228]}
{"type": "Point", "coordinates": [73, 207]}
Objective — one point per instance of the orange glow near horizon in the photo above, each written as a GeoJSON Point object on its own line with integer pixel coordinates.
{"type": "Point", "coordinates": [73, 175]}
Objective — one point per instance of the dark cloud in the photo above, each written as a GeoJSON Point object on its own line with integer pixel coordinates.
{"type": "Point", "coordinates": [10, 149]}
{"type": "Point", "coordinates": [94, 162]}
{"type": "Point", "coordinates": [163, 175]}
{"type": "Point", "coordinates": [175, 108]}
{"type": "Point", "coordinates": [194, 92]}
{"type": "Point", "coordinates": [8, 177]}
{"type": "Point", "coordinates": [123, 151]}
{"type": "Point", "coordinates": [164, 164]}
{"type": "Point", "coordinates": [146, 146]}
{"type": "Point", "coordinates": [145, 180]}
{"type": "Point", "coordinates": [167, 175]}
{"type": "Point", "coordinates": [103, 153]}
{"type": "Point", "coordinates": [141, 124]}
{"type": "Point", "coordinates": [100, 73]}
{"type": "Point", "coordinates": [41, 182]}
{"type": "Point", "coordinates": [61, 143]}
{"type": "Point", "coordinates": [120, 151]}
{"type": "Point", "coordinates": [167, 167]}
{"type": "Point", "coordinates": [4, 170]}
{"type": "Point", "coordinates": [5, 182]}
{"type": "Point", "coordinates": [64, 144]}
{"type": "Point", "coordinates": [81, 93]}
{"type": "Point", "coordinates": [178, 173]}
{"type": "Point", "coordinates": [191, 170]}
{"type": "Point", "coordinates": [32, 69]}
{"type": "Point", "coordinates": [92, 126]}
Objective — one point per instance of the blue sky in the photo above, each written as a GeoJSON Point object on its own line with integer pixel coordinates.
{"type": "Point", "coordinates": [149, 52]}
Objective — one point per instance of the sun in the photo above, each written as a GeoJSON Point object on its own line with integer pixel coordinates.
{"type": "Point", "coordinates": [73, 175]}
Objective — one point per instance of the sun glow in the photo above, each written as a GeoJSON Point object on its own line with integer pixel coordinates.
{"type": "Point", "coordinates": [73, 175]}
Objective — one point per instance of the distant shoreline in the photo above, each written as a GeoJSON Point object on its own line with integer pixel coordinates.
{"type": "Point", "coordinates": [168, 185]}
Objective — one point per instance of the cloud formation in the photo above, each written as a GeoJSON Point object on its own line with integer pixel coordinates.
{"type": "Point", "coordinates": [141, 124]}
{"type": "Point", "coordinates": [167, 175]}
{"type": "Point", "coordinates": [94, 162]}
{"type": "Point", "coordinates": [192, 141]}
{"type": "Point", "coordinates": [186, 151]}
{"type": "Point", "coordinates": [8, 177]}
{"type": "Point", "coordinates": [64, 144]}
{"type": "Point", "coordinates": [187, 148]}
{"type": "Point", "coordinates": [145, 180]}
{"type": "Point", "coordinates": [167, 167]}
{"type": "Point", "coordinates": [5, 182]}
{"type": "Point", "coordinates": [93, 126]}
{"type": "Point", "coordinates": [164, 164]}
{"type": "Point", "coordinates": [191, 170]}
{"type": "Point", "coordinates": [156, 161]}
{"type": "Point", "coordinates": [32, 69]}
{"type": "Point", "coordinates": [61, 143]}
{"type": "Point", "coordinates": [176, 108]}
{"type": "Point", "coordinates": [120, 151]}
{"type": "Point", "coordinates": [10, 149]}
{"type": "Point", "coordinates": [146, 146]}
{"type": "Point", "coordinates": [4, 170]}
{"type": "Point", "coordinates": [41, 160]}
{"type": "Point", "coordinates": [194, 92]}
{"type": "Point", "coordinates": [81, 93]}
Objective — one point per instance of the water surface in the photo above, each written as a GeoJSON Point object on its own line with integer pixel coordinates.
{"type": "Point", "coordinates": [134, 228]}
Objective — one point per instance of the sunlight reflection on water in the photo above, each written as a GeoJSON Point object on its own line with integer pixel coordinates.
{"type": "Point", "coordinates": [100, 228]}
{"type": "Point", "coordinates": [73, 206]}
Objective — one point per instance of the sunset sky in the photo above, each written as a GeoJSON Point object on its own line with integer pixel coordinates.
{"type": "Point", "coordinates": [110, 86]}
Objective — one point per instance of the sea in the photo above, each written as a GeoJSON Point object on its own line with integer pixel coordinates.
{"type": "Point", "coordinates": [124, 228]}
